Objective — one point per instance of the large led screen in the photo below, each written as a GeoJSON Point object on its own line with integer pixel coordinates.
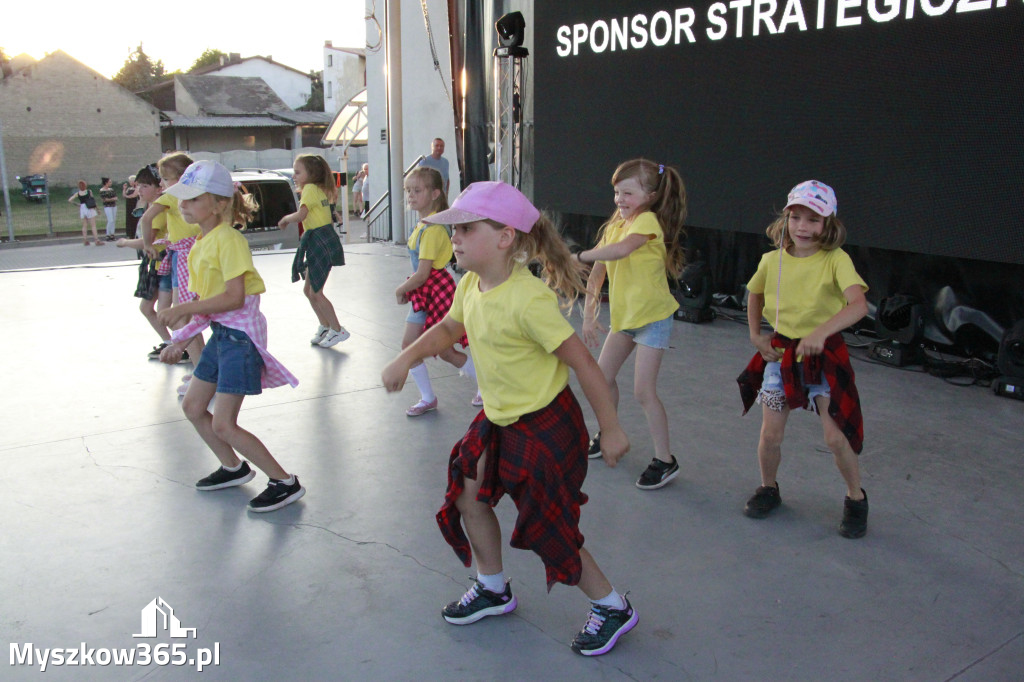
{"type": "Point", "coordinates": [913, 110]}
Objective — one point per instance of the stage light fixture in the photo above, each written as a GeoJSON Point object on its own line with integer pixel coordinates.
{"type": "Point", "coordinates": [899, 323]}
{"type": "Point", "coordinates": [1010, 362]}
{"type": "Point", "coordinates": [511, 29]}
{"type": "Point", "coordinates": [694, 294]}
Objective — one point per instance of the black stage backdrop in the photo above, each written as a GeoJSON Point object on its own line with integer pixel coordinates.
{"type": "Point", "coordinates": [912, 110]}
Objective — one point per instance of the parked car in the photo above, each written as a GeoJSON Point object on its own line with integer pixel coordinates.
{"type": "Point", "coordinates": [33, 187]}
{"type": "Point", "coordinates": [276, 198]}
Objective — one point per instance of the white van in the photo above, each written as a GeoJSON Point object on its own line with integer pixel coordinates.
{"type": "Point", "coordinates": [274, 193]}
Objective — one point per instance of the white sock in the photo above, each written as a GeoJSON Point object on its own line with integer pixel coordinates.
{"type": "Point", "coordinates": [492, 583]}
{"type": "Point", "coordinates": [234, 468]}
{"type": "Point", "coordinates": [612, 600]}
{"type": "Point", "coordinates": [289, 481]}
{"type": "Point", "coordinates": [469, 369]}
{"type": "Point", "coordinates": [422, 378]}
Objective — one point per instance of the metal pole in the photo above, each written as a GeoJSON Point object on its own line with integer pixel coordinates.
{"type": "Point", "coordinates": [49, 211]}
{"type": "Point", "coordinates": [396, 150]}
{"type": "Point", "coordinates": [3, 179]}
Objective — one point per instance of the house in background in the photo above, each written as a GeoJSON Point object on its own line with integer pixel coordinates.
{"type": "Point", "coordinates": [291, 85]}
{"type": "Point", "coordinates": [64, 119]}
{"type": "Point", "coordinates": [344, 75]}
{"type": "Point", "coordinates": [220, 113]}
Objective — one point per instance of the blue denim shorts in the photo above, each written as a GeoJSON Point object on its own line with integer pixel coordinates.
{"type": "Point", "coordinates": [174, 268]}
{"type": "Point", "coordinates": [231, 361]}
{"type": "Point", "coordinates": [773, 393]}
{"type": "Point", "coordinates": [165, 283]}
{"type": "Point", "coordinates": [653, 335]}
{"type": "Point", "coordinates": [416, 317]}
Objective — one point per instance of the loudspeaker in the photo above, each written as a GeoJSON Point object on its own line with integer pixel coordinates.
{"type": "Point", "coordinates": [1010, 362]}
{"type": "Point", "coordinates": [694, 294]}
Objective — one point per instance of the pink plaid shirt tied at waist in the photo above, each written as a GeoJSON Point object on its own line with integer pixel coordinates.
{"type": "Point", "coordinates": [250, 320]}
{"type": "Point", "coordinates": [182, 246]}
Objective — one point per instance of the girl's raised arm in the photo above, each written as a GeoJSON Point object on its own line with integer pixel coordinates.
{"type": "Point", "coordinates": [442, 335]}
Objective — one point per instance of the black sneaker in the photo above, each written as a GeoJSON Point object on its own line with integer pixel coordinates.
{"type": "Point", "coordinates": [657, 474]}
{"type": "Point", "coordinates": [277, 495]}
{"type": "Point", "coordinates": [764, 501]}
{"type": "Point", "coordinates": [855, 517]}
{"type": "Point", "coordinates": [603, 628]}
{"type": "Point", "coordinates": [479, 603]}
{"type": "Point", "coordinates": [155, 353]}
{"type": "Point", "coordinates": [222, 478]}
{"type": "Point", "coordinates": [184, 357]}
{"type": "Point", "coordinates": [595, 446]}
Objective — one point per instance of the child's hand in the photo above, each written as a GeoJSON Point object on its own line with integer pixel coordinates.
{"type": "Point", "coordinates": [282, 223]}
{"type": "Point", "coordinates": [763, 343]}
{"type": "Point", "coordinates": [120, 243]}
{"type": "Point", "coordinates": [614, 444]}
{"type": "Point", "coordinates": [591, 329]}
{"type": "Point", "coordinates": [150, 251]}
{"type": "Point", "coordinates": [173, 316]}
{"type": "Point", "coordinates": [402, 298]}
{"type": "Point", "coordinates": [171, 355]}
{"type": "Point", "coordinates": [394, 376]}
{"type": "Point", "coordinates": [812, 344]}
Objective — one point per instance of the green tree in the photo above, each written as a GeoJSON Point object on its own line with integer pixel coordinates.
{"type": "Point", "coordinates": [4, 61]}
{"type": "Point", "coordinates": [139, 71]}
{"type": "Point", "coordinates": [209, 57]}
{"type": "Point", "coordinates": [316, 94]}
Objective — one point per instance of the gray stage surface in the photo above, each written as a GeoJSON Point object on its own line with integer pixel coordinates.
{"type": "Point", "coordinates": [100, 516]}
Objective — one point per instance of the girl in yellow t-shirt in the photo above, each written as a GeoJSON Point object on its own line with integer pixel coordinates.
{"type": "Point", "coordinates": [152, 288]}
{"type": "Point", "coordinates": [235, 363]}
{"type": "Point", "coordinates": [639, 245]}
{"type": "Point", "coordinates": [319, 249]}
{"type": "Point", "coordinates": [809, 290]}
{"type": "Point", "coordinates": [530, 439]}
{"type": "Point", "coordinates": [181, 235]}
{"type": "Point", "coordinates": [430, 289]}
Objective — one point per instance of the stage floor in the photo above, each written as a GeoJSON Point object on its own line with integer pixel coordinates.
{"type": "Point", "coordinates": [102, 517]}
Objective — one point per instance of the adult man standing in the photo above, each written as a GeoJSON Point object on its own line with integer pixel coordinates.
{"type": "Point", "coordinates": [437, 161]}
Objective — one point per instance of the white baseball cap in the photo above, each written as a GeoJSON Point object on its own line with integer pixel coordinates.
{"type": "Point", "coordinates": [203, 177]}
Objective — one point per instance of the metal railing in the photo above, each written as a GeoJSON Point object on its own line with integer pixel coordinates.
{"type": "Point", "coordinates": [378, 217]}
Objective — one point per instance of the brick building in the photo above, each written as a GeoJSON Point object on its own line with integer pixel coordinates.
{"type": "Point", "coordinates": [62, 118]}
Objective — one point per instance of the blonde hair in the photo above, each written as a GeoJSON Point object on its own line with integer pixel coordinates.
{"type": "Point", "coordinates": [545, 246]}
{"type": "Point", "coordinates": [832, 235]}
{"type": "Point", "coordinates": [237, 210]}
{"type": "Point", "coordinates": [431, 179]}
{"type": "Point", "coordinates": [174, 164]}
{"type": "Point", "coordinates": [319, 174]}
{"type": "Point", "coordinates": [668, 204]}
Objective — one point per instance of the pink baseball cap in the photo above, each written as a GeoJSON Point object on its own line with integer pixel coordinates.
{"type": "Point", "coordinates": [815, 195]}
{"type": "Point", "coordinates": [489, 201]}
{"type": "Point", "coordinates": [203, 177]}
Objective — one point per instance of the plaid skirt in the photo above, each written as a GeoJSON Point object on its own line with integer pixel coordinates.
{"type": "Point", "coordinates": [319, 250]}
{"type": "Point", "coordinates": [541, 462]}
{"type": "Point", "coordinates": [149, 278]}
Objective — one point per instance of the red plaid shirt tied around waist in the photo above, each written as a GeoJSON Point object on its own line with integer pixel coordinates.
{"type": "Point", "coordinates": [540, 461]}
{"type": "Point", "coordinates": [250, 320]}
{"type": "Point", "coordinates": [435, 296]}
{"type": "Point", "coordinates": [832, 366]}
{"type": "Point", "coordinates": [182, 246]}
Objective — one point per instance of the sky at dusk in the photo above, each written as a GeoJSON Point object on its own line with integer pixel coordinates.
{"type": "Point", "coordinates": [102, 36]}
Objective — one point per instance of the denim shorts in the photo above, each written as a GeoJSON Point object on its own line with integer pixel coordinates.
{"type": "Point", "coordinates": [165, 283]}
{"type": "Point", "coordinates": [416, 317]}
{"type": "Point", "coordinates": [772, 390]}
{"type": "Point", "coordinates": [231, 361]}
{"type": "Point", "coordinates": [173, 255]}
{"type": "Point", "coordinates": [653, 335]}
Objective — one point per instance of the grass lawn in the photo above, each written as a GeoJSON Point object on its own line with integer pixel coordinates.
{"type": "Point", "coordinates": [32, 220]}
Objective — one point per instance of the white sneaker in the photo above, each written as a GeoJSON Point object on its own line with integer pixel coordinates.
{"type": "Point", "coordinates": [332, 337]}
{"type": "Point", "coordinates": [321, 332]}
{"type": "Point", "coordinates": [183, 386]}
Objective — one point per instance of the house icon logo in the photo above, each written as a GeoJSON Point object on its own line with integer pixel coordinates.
{"type": "Point", "coordinates": [158, 615]}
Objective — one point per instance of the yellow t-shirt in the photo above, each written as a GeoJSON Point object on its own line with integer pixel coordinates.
{"type": "Point", "coordinates": [317, 206]}
{"type": "Point", "coordinates": [638, 292]}
{"type": "Point", "coordinates": [812, 288]}
{"type": "Point", "coordinates": [218, 256]}
{"type": "Point", "coordinates": [159, 226]}
{"type": "Point", "coordinates": [513, 330]}
{"type": "Point", "coordinates": [177, 228]}
{"type": "Point", "coordinates": [433, 243]}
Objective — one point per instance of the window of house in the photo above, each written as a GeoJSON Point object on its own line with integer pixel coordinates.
{"type": "Point", "coordinates": [329, 89]}
{"type": "Point", "coordinates": [330, 60]}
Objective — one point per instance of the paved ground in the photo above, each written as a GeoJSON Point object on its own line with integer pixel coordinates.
{"type": "Point", "coordinates": [101, 517]}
